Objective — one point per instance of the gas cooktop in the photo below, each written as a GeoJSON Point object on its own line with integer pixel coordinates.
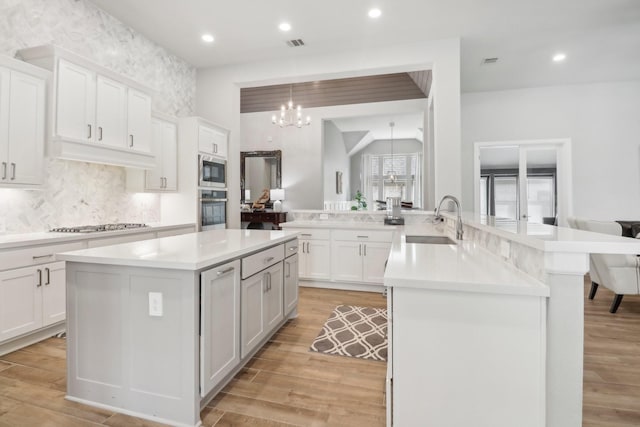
{"type": "Point", "coordinates": [98, 228]}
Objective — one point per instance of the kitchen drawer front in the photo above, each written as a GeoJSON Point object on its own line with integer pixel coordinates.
{"type": "Point", "coordinates": [363, 235]}
{"type": "Point", "coordinates": [313, 233]}
{"type": "Point", "coordinates": [106, 241]}
{"type": "Point", "coordinates": [36, 255]}
{"type": "Point", "coordinates": [258, 262]}
{"type": "Point", "coordinates": [291, 248]}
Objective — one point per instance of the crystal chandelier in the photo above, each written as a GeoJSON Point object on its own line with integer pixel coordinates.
{"type": "Point", "coordinates": [290, 116]}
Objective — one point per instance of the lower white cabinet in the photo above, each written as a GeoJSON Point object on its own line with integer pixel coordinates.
{"type": "Point", "coordinates": [262, 306]}
{"type": "Point", "coordinates": [219, 324]}
{"type": "Point", "coordinates": [30, 298]}
{"type": "Point", "coordinates": [358, 256]}
{"type": "Point", "coordinates": [314, 252]}
{"type": "Point", "coordinates": [290, 283]}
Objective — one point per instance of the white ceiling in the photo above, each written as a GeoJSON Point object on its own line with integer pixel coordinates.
{"type": "Point", "coordinates": [600, 37]}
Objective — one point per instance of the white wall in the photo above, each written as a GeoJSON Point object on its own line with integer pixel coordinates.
{"type": "Point", "coordinates": [602, 120]}
{"type": "Point", "coordinates": [218, 96]}
{"type": "Point", "coordinates": [302, 149]}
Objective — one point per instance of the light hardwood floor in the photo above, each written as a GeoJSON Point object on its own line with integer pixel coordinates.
{"type": "Point", "coordinates": [285, 384]}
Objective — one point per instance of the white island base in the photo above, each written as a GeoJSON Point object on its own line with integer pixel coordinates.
{"type": "Point", "coordinates": [158, 339]}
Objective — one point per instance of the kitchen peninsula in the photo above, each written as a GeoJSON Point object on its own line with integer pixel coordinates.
{"type": "Point", "coordinates": [156, 328]}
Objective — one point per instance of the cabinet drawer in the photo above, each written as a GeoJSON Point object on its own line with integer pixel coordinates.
{"type": "Point", "coordinates": [36, 255]}
{"type": "Point", "coordinates": [291, 248]}
{"type": "Point", "coordinates": [363, 235]}
{"type": "Point", "coordinates": [257, 262]}
{"type": "Point", "coordinates": [106, 241]}
{"type": "Point", "coordinates": [313, 233]}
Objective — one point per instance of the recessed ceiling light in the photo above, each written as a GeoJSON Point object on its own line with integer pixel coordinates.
{"type": "Point", "coordinates": [559, 57]}
{"type": "Point", "coordinates": [375, 13]}
{"type": "Point", "coordinates": [207, 38]}
{"type": "Point", "coordinates": [285, 26]}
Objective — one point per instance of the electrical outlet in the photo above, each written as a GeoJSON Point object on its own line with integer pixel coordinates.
{"type": "Point", "coordinates": [324, 216]}
{"type": "Point", "coordinates": [155, 304]}
{"type": "Point", "coordinates": [505, 248]}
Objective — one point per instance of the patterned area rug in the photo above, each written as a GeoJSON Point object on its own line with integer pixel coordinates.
{"type": "Point", "coordinates": [354, 331]}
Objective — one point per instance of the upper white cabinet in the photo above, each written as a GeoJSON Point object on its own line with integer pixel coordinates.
{"type": "Point", "coordinates": [164, 145]}
{"type": "Point", "coordinates": [212, 140]}
{"type": "Point", "coordinates": [97, 115]}
{"type": "Point", "coordinates": [22, 122]}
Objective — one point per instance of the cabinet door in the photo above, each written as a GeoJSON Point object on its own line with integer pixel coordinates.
{"type": "Point", "coordinates": [206, 139]}
{"type": "Point", "coordinates": [20, 301]}
{"type": "Point", "coordinates": [54, 303]}
{"type": "Point", "coordinates": [251, 313]}
{"type": "Point", "coordinates": [318, 259]}
{"type": "Point", "coordinates": [154, 179]}
{"type": "Point", "coordinates": [170, 156]}
{"type": "Point", "coordinates": [274, 297]}
{"type": "Point", "coordinates": [138, 121]}
{"type": "Point", "coordinates": [374, 259]}
{"type": "Point", "coordinates": [220, 324]}
{"type": "Point", "coordinates": [26, 129]}
{"type": "Point", "coordinates": [346, 261]}
{"type": "Point", "coordinates": [110, 112]}
{"type": "Point", "coordinates": [5, 80]}
{"type": "Point", "coordinates": [219, 143]}
{"type": "Point", "coordinates": [75, 99]}
{"type": "Point", "coordinates": [290, 283]}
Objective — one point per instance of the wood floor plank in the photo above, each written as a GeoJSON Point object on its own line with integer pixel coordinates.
{"type": "Point", "coordinates": [122, 420]}
{"type": "Point", "coordinates": [34, 376]}
{"type": "Point", "coordinates": [210, 416]}
{"type": "Point", "coordinates": [26, 357]}
{"type": "Point", "coordinates": [30, 415]}
{"type": "Point", "coordinates": [231, 419]}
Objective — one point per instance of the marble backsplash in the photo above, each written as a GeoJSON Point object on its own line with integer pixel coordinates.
{"type": "Point", "coordinates": [77, 193]}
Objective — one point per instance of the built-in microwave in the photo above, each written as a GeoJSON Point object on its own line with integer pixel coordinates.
{"type": "Point", "coordinates": [212, 171]}
{"type": "Point", "coordinates": [212, 209]}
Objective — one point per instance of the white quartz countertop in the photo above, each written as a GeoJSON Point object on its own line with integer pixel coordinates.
{"type": "Point", "coordinates": [353, 225]}
{"type": "Point", "coordinates": [463, 266]}
{"type": "Point", "coordinates": [192, 251]}
{"type": "Point", "coordinates": [10, 241]}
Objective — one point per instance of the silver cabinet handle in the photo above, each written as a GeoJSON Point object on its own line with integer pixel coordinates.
{"type": "Point", "coordinates": [269, 259]}
{"type": "Point", "coordinates": [225, 271]}
{"type": "Point", "coordinates": [269, 276]}
{"type": "Point", "coordinates": [48, 271]}
{"type": "Point", "coordinates": [306, 234]}
{"type": "Point", "coordinates": [165, 182]}
{"type": "Point", "coordinates": [99, 133]}
{"type": "Point", "coordinates": [130, 140]}
{"type": "Point", "coordinates": [288, 269]}
{"type": "Point", "coordinates": [265, 284]}
{"type": "Point", "coordinates": [39, 278]}
{"type": "Point", "coordinates": [308, 248]}
{"type": "Point", "coordinates": [13, 171]}
{"type": "Point", "coordinates": [215, 148]}
{"type": "Point", "coordinates": [365, 250]}
{"type": "Point", "coordinates": [359, 250]}
{"type": "Point", "coordinates": [89, 134]}
{"type": "Point", "coordinates": [4, 170]}
{"type": "Point", "coordinates": [362, 237]}
{"type": "Point", "coordinates": [41, 256]}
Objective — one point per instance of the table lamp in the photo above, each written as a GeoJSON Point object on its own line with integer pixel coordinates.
{"type": "Point", "coordinates": [247, 196]}
{"type": "Point", "coordinates": [277, 194]}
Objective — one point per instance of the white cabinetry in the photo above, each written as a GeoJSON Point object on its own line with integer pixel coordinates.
{"type": "Point", "coordinates": [22, 122]}
{"type": "Point", "coordinates": [314, 254]}
{"type": "Point", "coordinates": [291, 278]}
{"type": "Point", "coordinates": [262, 297]}
{"type": "Point", "coordinates": [359, 256]}
{"type": "Point", "coordinates": [99, 116]}
{"type": "Point", "coordinates": [219, 324]}
{"type": "Point", "coordinates": [212, 140]}
{"type": "Point", "coordinates": [30, 298]}
{"type": "Point", "coordinates": [164, 145]}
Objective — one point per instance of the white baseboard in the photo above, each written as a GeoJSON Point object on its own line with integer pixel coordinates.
{"type": "Point", "coordinates": [344, 286]}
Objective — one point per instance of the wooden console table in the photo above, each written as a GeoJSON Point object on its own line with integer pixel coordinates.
{"type": "Point", "coordinates": [261, 217]}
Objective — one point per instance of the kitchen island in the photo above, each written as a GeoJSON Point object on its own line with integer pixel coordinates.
{"type": "Point", "coordinates": [156, 328]}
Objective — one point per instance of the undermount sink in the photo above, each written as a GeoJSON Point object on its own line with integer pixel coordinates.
{"type": "Point", "coordinates": [432, 240]}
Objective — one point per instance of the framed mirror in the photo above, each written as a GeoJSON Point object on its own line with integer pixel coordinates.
{"type": "Point", "coordinates": [260, 170]}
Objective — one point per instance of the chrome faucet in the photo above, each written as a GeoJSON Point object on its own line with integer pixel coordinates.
{"type": "Point", "coordinates": [459, 230]}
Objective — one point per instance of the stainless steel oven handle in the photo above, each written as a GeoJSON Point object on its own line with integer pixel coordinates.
{"type": "Point", "coordinates": [213, 200]}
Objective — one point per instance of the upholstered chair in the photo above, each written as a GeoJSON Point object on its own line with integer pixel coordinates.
{"type": "Point", "coordinates": [619, 273]}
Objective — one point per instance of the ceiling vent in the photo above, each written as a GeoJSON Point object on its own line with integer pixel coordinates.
{"type": "Point", "coordinates": [490, 60]}
{"type": "Point", "coordinates": [295, 43]}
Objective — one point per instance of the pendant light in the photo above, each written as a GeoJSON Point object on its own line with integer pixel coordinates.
{"type": "Point", "coordinates": [392, 175]}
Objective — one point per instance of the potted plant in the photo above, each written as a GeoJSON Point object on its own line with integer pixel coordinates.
{"type": "Point", "coordinates": [362, 203]}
